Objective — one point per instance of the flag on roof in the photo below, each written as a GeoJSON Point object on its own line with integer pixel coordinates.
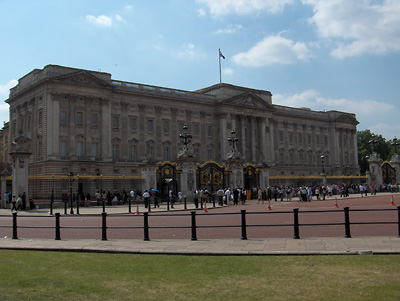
{"type": "Point", "coordinates": [220, 54]}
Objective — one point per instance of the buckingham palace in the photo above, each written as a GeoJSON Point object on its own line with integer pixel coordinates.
{"type": "Point", "coordinates": [85, 127]}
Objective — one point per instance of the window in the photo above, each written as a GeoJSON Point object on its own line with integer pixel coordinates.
{"type": "Point", "coordinates": [79, 148]}
{"type": "Point", "coordinates": [166, 153]}
{"type": "Point", "coordinates": [300, 138]}
{"type": "Point", "coordinates": [195, 130]}
{"type": "Point", "coordinates": [180, 126]}
{"type": "Point", "coordinates": [309, 159]}
{"type": "Point", "coordinates": [291, 159]}
{"type": "Point", "coordinates": [40, 118]}
{"type": "Point", "coordinates": [326, 140]}
{"type": "Point", "coordinates": [209, 131]}
{"type": "Point", "coordinates": [281, 158]}
{"type": "Point", "coordinates": [150, 152]}
{"type": "Point", "coordinates": [63, 118]}
{"type": "Point", "coordinates": [166, 127]}
{"type": "Point", "coordinates": [40, 149]}
{"type": "Point", "coordinates": [132, 124]}
{"type": "Point", "coordinates": [63, 148]}
{"type": "Point", "coordinates": [79, 118]}
{"type": "Point", "coordinates": [280, 137]}
{"type": "Point", "coordinates": [210, 154]}
{"type": "Point", "coordinates": [94, 149]}
{"type": "Point", "coordinates": [291, 138]}
{"type": "Point", "coordinates": [196, 152]}
{"type": "Point", "coordinates": [115, 151]}
{"type": "Point", "coordinates": [115, 123]}
{"type": "Point", "coordinates": [29, 122]}
{"type": "Point", "coordinates": [94, 119]}
{"type": "Point", "coordinates": [150, 126]}
{"type": "Point", "coordinates": [309, 139]}
{"type": "Point", "coordinates": [317, 140]}
{"type": "Point", "coordinates": [133, 153]}
{"type": "Point", "coordinates": [301, 160]}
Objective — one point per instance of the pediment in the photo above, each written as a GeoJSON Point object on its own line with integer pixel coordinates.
{"type": "Point", "coordinates": [83, 78]}
{"type": "Point", "coordinates": [347, 118]}
{"type": "Point", "coordinates": [249, 100]}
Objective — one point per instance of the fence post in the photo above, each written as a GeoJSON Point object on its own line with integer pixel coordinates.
{"type": "Point", "coordinates": [185, 206]}
{"type": "Point", "coordinates": [398, 220]}
{"type": "Point", "coordinates": [77, 206]}
{"type": "Point", "coordinates": [130, 205]}
{"type": "Point", "coordinates": [296, 223]}
{"type": "Point", "coordinates": [146, 225]}
{"type": "Point", "coordinates": [213, 198]}
{"type": "Point", "coordinates": [65, 207]}
{"type": "Point", "coordinates": [244, 233]}
{"type": "Point", "coordinates": [194, 235]}
{"type": "Point", "coordinates": [347, 222]}
{"type": "Point", "coordinates": [58, 237]}
{"type": "Point", "coordinates": [104, 226]}
{"type": "Point", "coordinates": [15, 236]}
{"type": "Point", "coordinates": [168, 204]}
{"type": "Point", "coordinates": [104, 206]}
{"type": "Point", "coordinates": [51, 207]}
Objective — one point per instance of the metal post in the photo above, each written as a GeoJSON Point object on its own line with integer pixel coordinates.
{"type": "Point", "coordinates": [104, 226]}
{"type": "Point", "coordinates": [213, 197]}
{"type": "Point", "coordinates": [168, 203]}
{"type": "Point", "coordinates": [58, 237]}
{"type": "Point", "coordinates": [51, 207]}
{"type": "Point", "coordinates": [15, 236]}
{"type": "Point", "coordinates": [185, 206]}
{"type": "Point", "coordinates": [65, 207]}
{"type": "Point", "coordinates": [296, 223]}
{"type": "Point", "coordinates": [104, 206]}
{"type": "Point", "coordinates": [77, 205]}
{"type": "Point", "coordinates": [244, 232]}
{"type": "Point", "coordinates": [130, 205]}
{"type": "Point", "coordinates": [347, 222]}
{"type": "Point", "coordinates": [146, 225]}
{"type": "Point", "coordinates": [194, 235]}
{"type": "Point", "coordinates": [149, 205]}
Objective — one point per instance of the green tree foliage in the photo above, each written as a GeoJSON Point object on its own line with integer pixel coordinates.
{"type": "Point", "coordinates": [368, 143]}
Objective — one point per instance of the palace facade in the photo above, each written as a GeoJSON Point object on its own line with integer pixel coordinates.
{"type": "Point", "coordinates": [85, 122]}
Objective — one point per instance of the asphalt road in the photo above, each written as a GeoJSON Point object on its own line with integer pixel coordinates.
{"type": "Point", "coordinates": [219, 222]}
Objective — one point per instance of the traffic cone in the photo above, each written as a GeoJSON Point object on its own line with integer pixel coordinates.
{"type": "Point", "coordinates": [336, 204]}
{"type": "Point", "coordinates": [392, 203]}
{"type": "Point", "coordinates": [205, 207]}
{"type": "Point", "coordinates": [137, 210]}
{"type": "Point", "coordinates": [269, 205]}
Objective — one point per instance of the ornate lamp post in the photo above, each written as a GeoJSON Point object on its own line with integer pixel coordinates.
{"type": "Point", "coordinates": [395, 144]}
{"type": "Point", "coordinates": [323, 164]}
{"type": "Point", "coordinates": [233, 140]}
{"type": "Point", "coordinates": [185, 138]}
{"type": "Point", "coordinates": [373, 141]}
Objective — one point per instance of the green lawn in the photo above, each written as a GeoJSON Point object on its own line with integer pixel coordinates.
{"type": "Point", "coordinates": [34, 275]}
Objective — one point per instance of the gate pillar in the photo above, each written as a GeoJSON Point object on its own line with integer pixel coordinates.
{"type": "Point", "coordinates": [375, 169]}
{"type": "Point", "coordinates": [396, 164]}
{"type": "Point", "coordinates": [235, 168]}
{"type": "Point", "coordinates": [187, 166]}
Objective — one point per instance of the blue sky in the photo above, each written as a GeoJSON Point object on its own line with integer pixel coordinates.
{"type": "Point", "coordinates": [325, 55]}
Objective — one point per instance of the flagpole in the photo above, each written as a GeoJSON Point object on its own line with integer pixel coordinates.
{"type": "Point", "coordinates": [219, 56]}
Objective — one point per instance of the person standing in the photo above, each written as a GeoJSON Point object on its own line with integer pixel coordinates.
{"type": "Point", "coordinates": [228, 196]}
{"type": "Point", "coordinates": [196, 199]}
{"type": "Point", "coordinates": [23, 199]}
{"type": "Point", "coordinates": [98, 198]}
{"type": "Point", "coordinates": [220, 194]}
{"type": "Point", "coordinates": [236, 196]}
{"type": "Point", "coordinates": [19, 203]}
{"type": "Point", "coordinates": [31, 203]}
{"type": "Point", "coordinates": [13, 201]}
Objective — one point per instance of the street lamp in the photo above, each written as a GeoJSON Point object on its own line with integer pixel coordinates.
{"type": "Point", "coordinates": [373, 141]}
{"type": "Point", "coordinates": [233, 140]}
{"type": "Point", "coordinates": [323, 164]}
{"type": "Point", "coordinates": [71, 175]}
{"type": "Point", "coordinates": [185, 137]}
{"type": "Point", "coordinates": [395, 143]}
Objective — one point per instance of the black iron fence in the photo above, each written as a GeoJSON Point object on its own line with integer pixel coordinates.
{"type": "Point", "coordinates": [193, 227]}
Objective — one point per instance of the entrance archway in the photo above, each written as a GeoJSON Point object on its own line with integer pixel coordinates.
{"type": "Point", "coordinates": [211, 176]}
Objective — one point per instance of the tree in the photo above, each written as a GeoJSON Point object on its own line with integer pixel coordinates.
{"type": "Point", "coordinates": [368, 143]}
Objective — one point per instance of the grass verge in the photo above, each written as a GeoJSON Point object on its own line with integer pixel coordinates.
{"type": "Point", "coordinates": [36, 275]}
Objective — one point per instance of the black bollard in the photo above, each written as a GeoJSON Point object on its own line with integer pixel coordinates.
{"type": "Point", "coordinates": [58, 237]}
{"type": "Point", "coordinates": [77, 206]}
{"type": "Point", "coordinates": [14, 215]}
{"type": "Point", "coordinates": [168, 204]}
{"type": "Point", "coordinates": [398, 220]}
{"type": "Point", "coordinates": [244, 231]}
{"type": "Point", "coordinates": [296, 223]}
{"type": "Point", "coordinates": [185, 206]}
{"type": "Point", "coordinates": [146, 225]}
{"type": "Point", "coordinates": [65, 207]}
{"type": "Point", "coordinates": [194, 235]}
{"type": "Point", "coordinates": [347, 222]}
{"type": "Point", "coordinates": [104, 226]}
{"type": "Point", "coordinates": [104, 206]}
{"type": "Point", "coordinates": [129, 205]}
{"type": "Point", "coordinates": [51, 207]}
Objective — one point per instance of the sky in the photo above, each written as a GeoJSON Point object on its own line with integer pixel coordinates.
{"type": "Point", "coordinates": [325, 55]}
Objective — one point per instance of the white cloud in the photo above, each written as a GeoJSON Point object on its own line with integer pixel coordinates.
{"type": "Point", "coordinates": [313, 100]}
{"type": "Point", "coordinates": [273, 50]}
{"type": "Point", "coordinates": [361, 26]}
{"type": "Point", "coordinates": [187, 50]}
{"type": "Point", "coordinates": [227, 71]}
{"type": "Point", "coordinates": [201, 12]}
{"type": "Point", "coordinates": [5, 89]}
{"type": "Point", "coordinates": [102, 20]}
{"type": "Point", "coordinates": [244, 7]}
{"type": "Point", "coordinates": [230, 29]}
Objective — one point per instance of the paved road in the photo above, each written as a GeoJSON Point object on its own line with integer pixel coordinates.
{"type": "Point", "coordinates": [264, 240]}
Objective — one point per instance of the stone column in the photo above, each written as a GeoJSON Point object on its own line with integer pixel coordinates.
{"type": "Point", "coordinates": [243, 139]}
{"type": "Point", "coordinates": [375, 169]}
{"type": "Point", "coordinates": [253, 135]}
{"type": "Point", "coordinates": [263, 145]}
{"type": "Point", "coordinates": [235, 168]}
{"type": "Point", "coordinates": [396, 164]}
{"type": "Point", "coordinates": [223, 135]}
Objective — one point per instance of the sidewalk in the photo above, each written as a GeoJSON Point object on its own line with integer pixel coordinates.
{"type": "Point", "coordinates": [269, 246]}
